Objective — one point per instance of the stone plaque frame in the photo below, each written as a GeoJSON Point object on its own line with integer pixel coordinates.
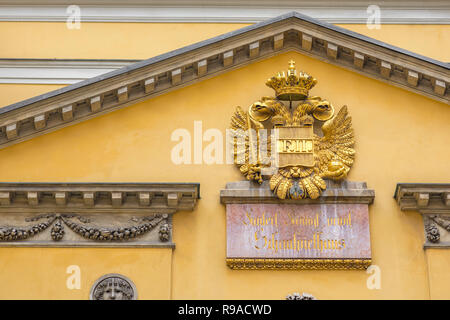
{"type": "Point", "coordinates": [344, 193]}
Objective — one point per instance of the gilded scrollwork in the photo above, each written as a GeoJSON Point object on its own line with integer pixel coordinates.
{"type": "Point", "coordinates": [298, 264]}
{"type": "Point", "coordinates": [305, 159]}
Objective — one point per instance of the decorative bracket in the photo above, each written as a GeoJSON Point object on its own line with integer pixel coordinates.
{"type": "Point", "coordinates": [432, 200]}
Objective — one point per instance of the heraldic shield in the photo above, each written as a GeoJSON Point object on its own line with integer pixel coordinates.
{"type": "Point", "coordinates": [295, 146]}
{"type": "Point", "coordinates": [304, 157]}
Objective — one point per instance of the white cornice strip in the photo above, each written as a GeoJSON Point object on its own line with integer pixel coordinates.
{"type": "Point", "coordinates": [233, 14]}
{"type": "Point", "coordinates": [25, 71]}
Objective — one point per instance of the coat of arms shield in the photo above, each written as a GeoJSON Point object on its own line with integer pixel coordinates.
{"type": "Point", "coordinates": [295, 146]}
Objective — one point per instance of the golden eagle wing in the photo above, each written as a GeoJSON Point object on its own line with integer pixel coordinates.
{"type": "Point", "coordinates": [334, 151]}
{"type": "Point", "coordinates": [246, 141]}
{"type": "Point", "coordinates": [241, 145]}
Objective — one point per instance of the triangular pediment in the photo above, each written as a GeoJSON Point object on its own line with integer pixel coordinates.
{"type": "Point", "coordinates": [146, 79]}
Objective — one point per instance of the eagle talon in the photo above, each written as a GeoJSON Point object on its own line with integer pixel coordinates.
{"type": "Point", "coordinates": [336, 170]}
{"type": "Point", "coordinates": [254, 173]}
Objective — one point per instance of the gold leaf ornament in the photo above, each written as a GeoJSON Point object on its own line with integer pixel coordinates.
{"type": "Point", "coordinates": [331, 156]}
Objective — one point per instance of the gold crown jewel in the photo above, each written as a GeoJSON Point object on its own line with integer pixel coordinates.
{"type": "Point", "coordinates": [291, 87]}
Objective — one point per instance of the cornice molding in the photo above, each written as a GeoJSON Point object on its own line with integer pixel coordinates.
{"type": "Point", "coordinates": [92, 214]}
{"type": "Point", "coordinates": [292, 32]}
{"type": "Point", "coordinates": [56, 71]}
{"type": "Point", "coordinates": [432, 200]}
{"type": "Point", "coordinates": [423, 197]}
{"type": "Point", "coordinates": [98, 197]}
{"type": "Point", "coordinates": [335, 193]}
{"type": "Point", "coordinates": [217, 12]}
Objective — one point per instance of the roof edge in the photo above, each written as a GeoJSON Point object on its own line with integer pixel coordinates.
{"type": "Point", "coordinates": [148, 78]}
{"type": "Point", "coordinates": [173, 53]}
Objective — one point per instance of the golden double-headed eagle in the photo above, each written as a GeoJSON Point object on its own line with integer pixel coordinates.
{"type": "Point", "coordinates": [303, 156]}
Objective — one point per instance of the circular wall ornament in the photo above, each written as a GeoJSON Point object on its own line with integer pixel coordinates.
{"type": "Point", "coordinates": [113, 286]}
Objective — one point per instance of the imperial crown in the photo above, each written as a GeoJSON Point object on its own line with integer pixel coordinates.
{"type": "Point", "coordinates": [291, 87]}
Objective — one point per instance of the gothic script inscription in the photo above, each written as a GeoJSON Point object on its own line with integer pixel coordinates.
{"type": "Point", "coordinates": [315, 231]}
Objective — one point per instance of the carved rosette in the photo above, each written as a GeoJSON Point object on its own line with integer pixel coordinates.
{"type": "Point", "coordinates": [432, 231]}
{"type": "Point", "coordinates": [57, 231]}
{"type": "Point", "coordinates": [432, 224]}
{"type": "Point", "coordinates": [164, 232]}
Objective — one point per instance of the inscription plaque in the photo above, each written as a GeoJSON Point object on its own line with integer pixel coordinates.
{"type": "Point", "coordinates": [334, 236]}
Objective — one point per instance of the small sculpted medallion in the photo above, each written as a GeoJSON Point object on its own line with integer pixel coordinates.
{"type": "Point", "coordinates": [113, 287]}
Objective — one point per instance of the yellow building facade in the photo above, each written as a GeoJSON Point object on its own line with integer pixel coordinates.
{"type": "Point", "coordinates": [121, 146]}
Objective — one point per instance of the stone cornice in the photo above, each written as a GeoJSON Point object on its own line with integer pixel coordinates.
{"type": "Point", "coordinates": [423, 197]}
{"type": "Point", "coordinates": [98, 197]}
{"type": "Point", "coordinates": [250, 192]}
{"type": "Point", "coordinates": [92, 214]}
{"type": "Point", "coordinates": [291, 32]}
{"type": "Point", "coordinates": [432, 200]}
